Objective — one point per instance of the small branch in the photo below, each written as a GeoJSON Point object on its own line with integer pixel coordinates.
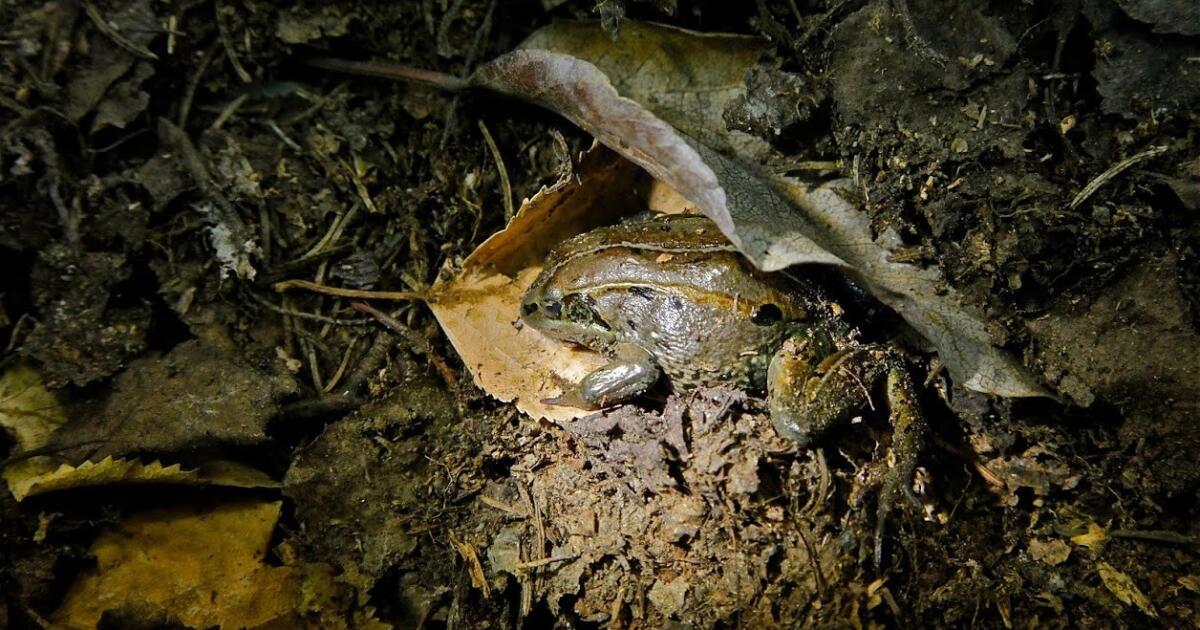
{"type": "Point", "coordinates": [111, 32]}
{"type": "Point", "coordinates": [533, 564]}
{"type": "Point", "coordinates": [1117, 169]}
{"type": "Point", "coordinates": [506, 186]}
{"type": "Point", "coordinates": [394, 71]}
{"type": "Point", "coordinates": [349, 293]}
{"type": "Point", "coordinates": [418, 342]}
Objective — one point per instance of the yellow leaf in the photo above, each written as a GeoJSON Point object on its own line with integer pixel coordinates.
{"type": "Point", "coordinates": [1095, 537]}
{"type": "Point", "coordinates": [201, 564]}
{"type": "Point", "coordinates": [27, 410]}
{"type": "Point", "coordinates": [39, 475]}
{"type": "Point", "coordinates": [1124, 588]}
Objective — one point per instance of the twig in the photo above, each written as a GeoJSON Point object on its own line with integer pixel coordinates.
{"type": "Point", "coordinates": [312, 316]}
{"type": "Point", "coordinates": [505, 184]}
{"type": "Point", "coordinates": [279, 133]}
{"type": "Point", "coordinates": [314, 367]}
{"type": "Point", "coordinates": [914, 38]}
{"type": "Point", "coordinates": [503, 507]}
{"type": "Point", "coordinates": [368, 363]}
{"type": "Point", "coordinates": [189, 92]}
{"type": "Point", "coordinates": [1156, 535]}
{"type": "Point", "coordinates": [394, 71]}
{"type": "Point", "coordinates": [533, 564]}
{"type": "Point", "coordinates": [417, 342]}
{"type": "Point", "coordinates": [1117, 169]}
{"type": "Point", "coordinates": [111, 32]}
{"type": "Point", "coordinates": [229, 51]}
{"type": "Point", "coordinates": [350, 293]}
{"type": "Point", "coordinates": [175, 138]}
{"type": "Point", "coordinates": [229, 111]}
{"type": "Point", "coordinates": [341, 370]}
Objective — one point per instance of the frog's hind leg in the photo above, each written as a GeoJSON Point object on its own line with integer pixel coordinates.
{"type": "Point", "coordinates": [812, 389]}
{"type": "Point", "coordinates": [810, 393]}
{"type": "Point", "coordinates": [908, 439]}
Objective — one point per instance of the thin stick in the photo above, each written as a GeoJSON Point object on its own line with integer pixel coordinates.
{"type": "Point", "coordinates": [418, 343]}
{"type": "Point", "coordinates": [505, 184]}
{"type": "Point", "coordinates": [110, 31]}
{"type": "Point", "coordinates": [395, 71]}
{"type": "Point", "coordinates": [341, 370]}
{"type": "Point", "coordinates": [1117, 169]}
{"type": "Point", "coordinates": [533, 564]}
{"type": "Point", "coordinates": [349, 293]}
{"type": "Point", "coordinates": [230, 53]}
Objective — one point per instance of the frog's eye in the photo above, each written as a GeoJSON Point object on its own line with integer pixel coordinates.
{"type": "Point", "coordinates": [578, 309]}
{"type": "Point", "coordinates": [552, 307]}
{"type": "Point", "coordinates": [528, 308]}
{"type": "Point", "coordinates": [766, 314]}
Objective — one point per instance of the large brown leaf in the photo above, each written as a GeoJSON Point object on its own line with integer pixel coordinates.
{"type": "Point", "coordinates": [773, 221]}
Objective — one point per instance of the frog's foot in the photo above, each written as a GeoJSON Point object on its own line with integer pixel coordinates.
{"type": "Point", "coordinates": [630, 374]}
{"type": "Point", "coordinates": [810, 393]}
{"type": "Point", "coordinates": [812, 389]}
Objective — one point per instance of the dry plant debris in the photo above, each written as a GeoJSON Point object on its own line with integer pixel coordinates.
{"type": "Point", "coordinates": [202, 566]}
{"type": "Point", "coordinates": [164, 165]}
{"type": "Point", "coordinates": [665, 127]}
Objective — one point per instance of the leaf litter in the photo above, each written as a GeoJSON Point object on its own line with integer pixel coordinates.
{"type": "Point", "coordinates": [353, 174]}
{"type": "Point", "coordinates": [776, 222]}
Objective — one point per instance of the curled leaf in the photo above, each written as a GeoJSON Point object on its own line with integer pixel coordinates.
{"type": "Point", "coordinates": [479, 307]}
{"type": "Point", "coordinates": [773, 221]}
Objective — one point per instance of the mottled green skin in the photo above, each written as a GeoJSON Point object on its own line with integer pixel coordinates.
{"type": "Point", "coordinates": [672, 296]}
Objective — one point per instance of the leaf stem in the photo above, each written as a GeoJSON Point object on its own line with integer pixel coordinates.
{"type": "Point", "coordinates": [394, 71]}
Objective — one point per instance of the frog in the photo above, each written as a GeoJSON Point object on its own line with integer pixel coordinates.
{"type": "Point", "coordinates": [673, 297]}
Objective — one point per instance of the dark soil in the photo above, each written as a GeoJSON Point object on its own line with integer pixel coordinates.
{"type": "Point", "coordinates": [163, 166]}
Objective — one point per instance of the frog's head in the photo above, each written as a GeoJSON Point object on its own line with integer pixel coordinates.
{"type": "Point", "coordinates": [567, 315]}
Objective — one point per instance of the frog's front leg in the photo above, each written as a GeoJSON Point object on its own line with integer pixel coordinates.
{"type": "Point", "coordinates": [631, 372]}
{"type": "Point", "coordinates": [812, 390]}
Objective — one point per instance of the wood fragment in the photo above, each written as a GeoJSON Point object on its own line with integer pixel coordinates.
{"type": "Point", "coordinates": [287, 285]}
{"type": "Point", "coordinates": [474, 567]}
{"type": "Point", "coordinates": [1116, 169]}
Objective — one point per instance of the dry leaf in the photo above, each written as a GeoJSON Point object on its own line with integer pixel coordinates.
{"type": "Point", "coordinates": [1094, 539]}
{"type": "Point", "coordinates": [656, 66]}
{"type": "Point", "coordinates": [1124, 588]}
{"type": "Point", "coordinates": [39, 475]}
{"type": "Point", "coordinates": [776, 223]}
{"type": "Point", "coordinates": [27, 411]}
{"type": "Point", "coordinates": [1190, 582]}
{"type": "Point", "coordinates": [1052, 552]}
{"type": "Point", "coordinates": [203, 565]}
{"type": "Point", "coordinates": [479, 307]}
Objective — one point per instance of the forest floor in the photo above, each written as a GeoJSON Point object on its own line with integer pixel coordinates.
{"type": "Point", "coordinates": [189, 447]}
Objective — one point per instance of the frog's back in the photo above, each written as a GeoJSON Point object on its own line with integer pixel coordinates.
{"type": "Point", "coordinates": [677, 288]}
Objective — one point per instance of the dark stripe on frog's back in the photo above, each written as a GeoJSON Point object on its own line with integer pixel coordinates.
{"type": "Point", "coordinates": [670, 234]}
{"type": "Point", "coordinates": [718, 278]}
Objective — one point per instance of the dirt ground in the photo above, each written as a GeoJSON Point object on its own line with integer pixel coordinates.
{"type": "Point", "coordinates": [164, 164]}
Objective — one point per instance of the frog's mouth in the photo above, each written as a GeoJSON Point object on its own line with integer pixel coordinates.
{"type": "Point", "coordinates": [549, 321]}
